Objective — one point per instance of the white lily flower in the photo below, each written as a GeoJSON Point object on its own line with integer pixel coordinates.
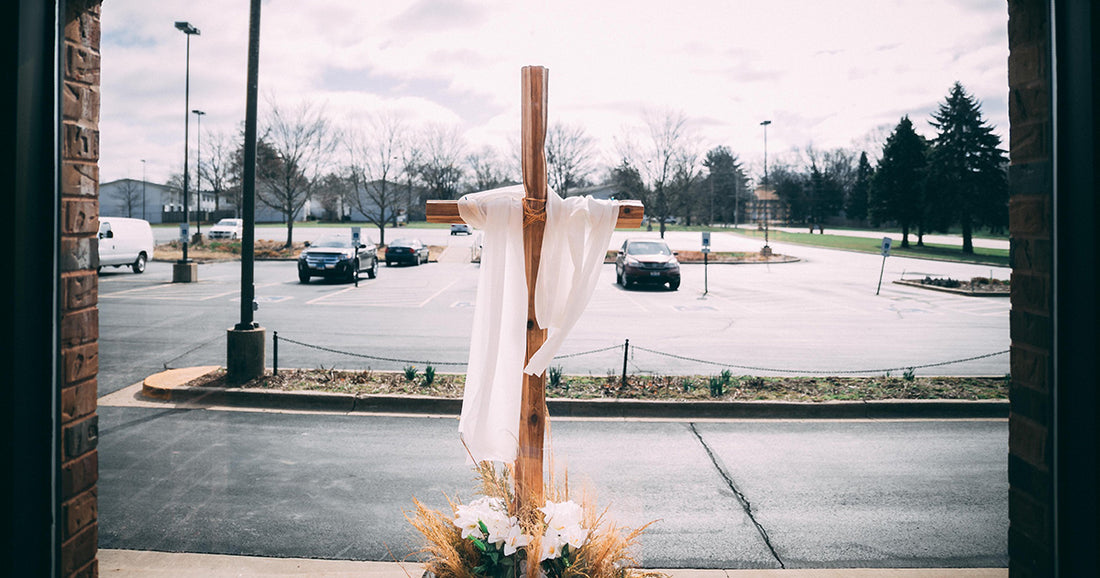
{"type": "Point", "coordinates": [515, 540]}
{"type": "Point", "coordinates": [561, 515]}
{"type": "Point", "coordinates": [550, 546]}
{"type": "Point", "coordinates": [575, 536]}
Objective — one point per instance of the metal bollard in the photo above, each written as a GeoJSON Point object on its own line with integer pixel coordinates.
{"type": "Point", "coordinates": [626, 352]}
{"type": "Point", "coordinates": [275, 352]}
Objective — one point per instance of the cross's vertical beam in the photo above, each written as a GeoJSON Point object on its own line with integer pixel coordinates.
{"type": "Point", "coordinates": [532, 426]}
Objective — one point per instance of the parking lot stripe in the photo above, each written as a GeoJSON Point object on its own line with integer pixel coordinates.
{"type": "Point", "coordinates": [327, 295]}
{"type": "Point", "coordinates": [437, 293]}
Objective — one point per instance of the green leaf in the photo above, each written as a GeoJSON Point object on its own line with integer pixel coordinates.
{"type": "Point", "coordinates": [480, 545]}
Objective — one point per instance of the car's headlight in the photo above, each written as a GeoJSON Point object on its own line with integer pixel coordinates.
{"type": "Point", "coordinates": [632, 261]}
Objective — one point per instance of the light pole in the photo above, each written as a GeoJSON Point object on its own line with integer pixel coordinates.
{"type": "Point", "coordinates": [189, 31]}
{"type": "Point", "coordinates": [766, 250]}
{"type": "Point", "coordinates": [198, 166]}
{"type": "Point", "coordinates": [143, 217]}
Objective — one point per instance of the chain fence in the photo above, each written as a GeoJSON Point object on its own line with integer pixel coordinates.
{"type": "Point", "coordinates": [628, 358]}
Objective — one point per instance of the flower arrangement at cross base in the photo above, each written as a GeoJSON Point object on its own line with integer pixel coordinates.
{"type": "Point", "coordinates": [491, 537]}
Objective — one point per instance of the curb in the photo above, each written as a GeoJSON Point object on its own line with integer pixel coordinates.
{"type": "Point", "coordinates": [920, 285]}
{"type": "Point", "coordinates": [169, 386]}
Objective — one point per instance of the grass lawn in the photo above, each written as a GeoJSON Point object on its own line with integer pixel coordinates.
{"type": "Point", "coordinates": [983, 256]}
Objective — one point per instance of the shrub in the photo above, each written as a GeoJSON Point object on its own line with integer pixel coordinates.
{"type": "Point", "coordinates": [554, 376]}
{"type": "Point", "coordinates": [410, 372]}
{"type": "Point", "coordinates": [716, 386]}
{"type": "Point", "coordinates": [429, 375]}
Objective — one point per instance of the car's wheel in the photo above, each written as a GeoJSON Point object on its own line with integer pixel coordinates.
{"type": "Point", "coordinates": [373, 271]}
{"type": "Point", "coordinates": [673, 285]}
{"type": "Point", "coordinates": [303, 277]}
{"type": "Point", "coordinates": [139, 264]}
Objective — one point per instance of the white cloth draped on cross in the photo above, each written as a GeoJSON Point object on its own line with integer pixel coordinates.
{"type": "Point", "coordinates": [577, 234]}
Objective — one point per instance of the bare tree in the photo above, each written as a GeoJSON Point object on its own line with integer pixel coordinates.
{"type": "Point", "coordinates": [373, 171]}
{"type": "Point", "coordinates": [291, 157]}
{"type": "Point", "coordinates": [217, 168]}
{"type": "Point", "coordinates": [334, 193]}
{"type": "Point", "coordinates": [440, 166]}
{"type": "Point", "coordinates": [666, 161]}
{"type": "Point", "coordinates": [128, 194]}
{"type": "Point", "coordinates": [569, 157]}
{"type": "Point", "coordinates": [488, 170]}
{"type": "Point", "coordinates": [411, 155]}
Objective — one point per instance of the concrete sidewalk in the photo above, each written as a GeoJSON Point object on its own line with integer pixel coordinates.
{"type": "Point", "coordinates": [139, 564]}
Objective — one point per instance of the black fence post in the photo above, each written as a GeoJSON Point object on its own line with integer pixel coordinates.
{"type": "Point", "coordinates": [275, 352]}
{"type": "Point", "coordinates": [626, 352]}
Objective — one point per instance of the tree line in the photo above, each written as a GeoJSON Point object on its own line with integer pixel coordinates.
{"type": "Point", "coordinates": [385, 169]}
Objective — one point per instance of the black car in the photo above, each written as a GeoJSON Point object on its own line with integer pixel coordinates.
{"type": "Point", "coordinates": [334, 257]}
{"type": "Point", "coordinates": [408, 251]}
{"type": "Point", "coordinates": [647, 261]}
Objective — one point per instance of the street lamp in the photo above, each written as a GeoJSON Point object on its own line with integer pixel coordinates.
{"type": "Point", "coordinates": [189, 31]}
{"type": "Point", "coordinates": [198, 166]}
{"type": "Point", "coordinates": [143, 217]}
{"type": "Point", "coordinates": [766, 250]}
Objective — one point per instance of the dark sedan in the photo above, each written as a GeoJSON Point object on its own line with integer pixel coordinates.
{"type": "Point", "coordinates": [407, 251]}
{"type": "Point", "coordinates": [334, 256]}
{"type": "Point", "coordinates": [647, 261]}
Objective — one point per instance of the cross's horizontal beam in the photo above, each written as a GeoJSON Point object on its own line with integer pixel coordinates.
{"type": "Point", "coordinates": [630, 213]}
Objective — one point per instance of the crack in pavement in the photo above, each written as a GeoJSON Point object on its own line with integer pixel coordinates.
{"type": "Point", "coordinates": [741, 499]}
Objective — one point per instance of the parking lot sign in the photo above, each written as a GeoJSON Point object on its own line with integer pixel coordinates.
{"type": "Point", "coordinates": [355, 236]}
{"type": "Point", "coordinates": [886, 241]}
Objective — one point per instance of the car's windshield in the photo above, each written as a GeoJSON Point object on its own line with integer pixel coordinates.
{"type": "Point", "coordinates": [648, 248]}
{"type": "Point", "coordinates": [230, 222]}
{"type": "Point", "coordinates": [402, 243]}
{"type": "Point", "coordinates": [341, 242]}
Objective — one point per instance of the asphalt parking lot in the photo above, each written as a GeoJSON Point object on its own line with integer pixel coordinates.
{"type": "Point", "coordinates": [819, 314]}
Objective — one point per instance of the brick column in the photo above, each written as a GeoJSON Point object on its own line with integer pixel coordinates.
{"type": "Point", "coordinates": [78, 284]}
{"type": "Point", "coordinates": [1030, 462]}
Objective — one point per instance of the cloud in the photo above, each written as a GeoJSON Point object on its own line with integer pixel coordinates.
{"type": "Point", "coordinates": [827, 73]}
{"type": "Point", "coordinates": [435, 15]}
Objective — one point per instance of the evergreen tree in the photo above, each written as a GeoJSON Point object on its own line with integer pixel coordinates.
{"type": "Point", "coordinates": [856, 205]}
{"type": "Point", "coordinates": [628, 182]}
{"type": "Point", "coordinates": [725, 186]}
{"type": "Point", "coordinates": [967, 182]}
{"type": "Point", "coordinates": [897, 189]}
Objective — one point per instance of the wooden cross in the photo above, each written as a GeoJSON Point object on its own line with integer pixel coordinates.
{"type": "Point", "coordinates": [532, 430]}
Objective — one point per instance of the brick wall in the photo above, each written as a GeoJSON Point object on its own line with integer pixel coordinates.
{"type": "Point", "coordinates": [79, 316]}
{"type": "Point", "coordinates": [1030, 462]}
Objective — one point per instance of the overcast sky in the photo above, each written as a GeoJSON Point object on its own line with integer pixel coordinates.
{"type": "Point", "coordinates": [829, 74]}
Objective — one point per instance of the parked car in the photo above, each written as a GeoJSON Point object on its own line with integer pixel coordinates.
{"type": "Point", "coordinates": [406, 250]}
{"type": "Point", "coordinates": [647, 261]}
{"type": "Point", "coordinates": [333, 256]}
{"type": "Point", "coordinates": [226, 229]}
{"type": "Point", "coordinates": [124, 241]}
{"type": "Point", "coordinates": [460, 228]}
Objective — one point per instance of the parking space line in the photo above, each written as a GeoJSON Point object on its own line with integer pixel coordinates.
{"type": "Point", "coordinates": [437, 293]}
{"type": "Point", "coordinates": [327, 295]}
{"type": "Point", "coordinates": [135, 289]}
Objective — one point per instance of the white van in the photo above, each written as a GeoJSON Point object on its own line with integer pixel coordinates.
{"type": "Point", "coordinates": [125, 241]}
